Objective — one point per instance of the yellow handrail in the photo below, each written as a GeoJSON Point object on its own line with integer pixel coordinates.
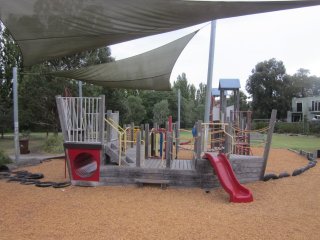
{"type": "Point", "coordinates": [121, 134]}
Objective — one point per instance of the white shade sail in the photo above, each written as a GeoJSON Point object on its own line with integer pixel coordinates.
{"type": "Point", "coordinates": [150, 70]}
{"type": "Point", "coordinates": [46, 29]}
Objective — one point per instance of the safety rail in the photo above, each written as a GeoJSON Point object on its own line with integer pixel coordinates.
{"type": "Point", "coordinates": [122, 137]}
{"type": "Point", "coordinates": [81, 118]}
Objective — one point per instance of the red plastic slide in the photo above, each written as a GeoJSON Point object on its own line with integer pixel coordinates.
{"type": "Point", "coordinates": [238, 193]}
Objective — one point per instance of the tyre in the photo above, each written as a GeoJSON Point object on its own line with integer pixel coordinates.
{"type": "Point", "coordinates": [61, 184]}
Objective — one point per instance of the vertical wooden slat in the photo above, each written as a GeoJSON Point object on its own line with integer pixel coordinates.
{"type": "Point", "coordinates": [268, 143]}
{"type": "Point", "coordinates": [146, 140]}
{"type": "Point", "coordinates": [168, 149]}
{"type": "Point", "coordinates": [138, 150]}
{"type": "Point", "coordinates": [132, 134]}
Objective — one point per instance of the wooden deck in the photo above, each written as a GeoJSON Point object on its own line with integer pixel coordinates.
{"type": "Point", "coordinates": [176, 164]}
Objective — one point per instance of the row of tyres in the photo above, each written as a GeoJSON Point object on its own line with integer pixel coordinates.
{"type": "Point", "coordinates": [296, 172]}
{"type": "Point", "coordinates": [28, 178]}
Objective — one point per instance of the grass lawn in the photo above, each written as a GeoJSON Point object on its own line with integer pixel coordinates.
{"type": "Point", "coordinates": [37, 143]}
{"type": "Point", "coordinates": [299, 142]}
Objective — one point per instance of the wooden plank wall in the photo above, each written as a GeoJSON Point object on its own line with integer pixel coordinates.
{"type": "Point", "coordinates": [247, 169]}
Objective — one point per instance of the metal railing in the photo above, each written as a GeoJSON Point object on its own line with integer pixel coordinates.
{"type": "Point", "coordinates": [122, 137]}
{"type": "Point", "coordinates": [80, 118]}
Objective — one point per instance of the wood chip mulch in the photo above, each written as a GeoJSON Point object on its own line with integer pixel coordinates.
{"type": "Point", "coordinates": [287, 208]}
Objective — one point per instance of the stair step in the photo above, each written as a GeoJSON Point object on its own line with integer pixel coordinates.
{"type": "Point", "coordinates": [161, 182]}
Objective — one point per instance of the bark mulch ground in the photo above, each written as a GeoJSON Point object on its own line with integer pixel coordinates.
{"type": "Point", "coordinates": [287, 208]}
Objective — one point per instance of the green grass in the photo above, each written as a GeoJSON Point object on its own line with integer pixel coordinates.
{"type": "Point", "coordinates": [299, 142]}
{"type": "Point", "coordinates": [38, 143]}
{"type": "Point", "coordinates": [4, 159]}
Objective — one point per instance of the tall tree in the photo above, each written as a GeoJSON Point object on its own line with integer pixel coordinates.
{"type": "Point", "coordinates": [161, 112]}
{"type": "Point", "coordinates": [9, 57]}
{"type": "Point", "coordinates": [304, 84]}
{"type": "Point", "coordinates": [244, 105]}
{"type": "Point", "coordinates": [136, 111]}
{"type": "Point", "coordinates": [266, 85]}
{"type": "Point", "coordinates": [38, 89]}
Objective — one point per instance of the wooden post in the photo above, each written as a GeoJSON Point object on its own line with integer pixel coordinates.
{"type": "Point", "coordinates": [62, 117]}
{"type": "Point", "coordinates": [109, 113]}
{"type": "Point", "coordinates": [138, 149]}
{"type": "Point", "coordinates": [142, 131]}
{"type": "Point", "coordinates": [101, 123]}
{"type": "Point", "coordinates": [146, 130]}
{"type": "Point", "coordinates": [132, 133]}
{"type": "Point", "coordinates": [268, 143]}
{"type": "Point", "coordinates": [177, 136]}
{"type": "Point", "coordinates": [168, 149]}
{"type": "Point", "coordinates": [199, 139]}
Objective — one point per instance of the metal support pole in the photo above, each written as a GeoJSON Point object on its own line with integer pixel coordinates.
{"type": "Point", "coordinates": [80, 88]}
{"type": "Point", "coordinates": [178, 122]}
{"type": "Point", "coordinates": [210, 70]}
{"type": "Point", "coordinates": [15, 114]}
{"type": "Point", "coordinates": [209, 81]}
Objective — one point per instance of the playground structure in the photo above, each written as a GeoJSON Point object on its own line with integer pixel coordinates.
{"type": "Point", "coordinates": [239, 122]}
{"type": "Point", "coordinates": [100, 152]}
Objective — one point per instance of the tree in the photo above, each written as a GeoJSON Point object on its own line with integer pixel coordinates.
{"type": "Point", "coordinates": [244, 105]}
{"type": "Point", "coordinates": [305, 85]}
{"type": "Point", "coordinates": [9, 57]}
{"type": "Point", "coordinates": [266, 86]}
{"type": "Point", "coordinates": [136, 112]}
{"type": "Point", "coordinates": [161, 112]}
{"type": "Point", "coordinates": [37, 90]}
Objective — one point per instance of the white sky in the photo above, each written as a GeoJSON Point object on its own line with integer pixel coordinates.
{"type": "Point", "coordinates": [292, 36]}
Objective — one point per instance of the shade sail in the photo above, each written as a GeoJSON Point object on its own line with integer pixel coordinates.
{"type": "Point", "coordinates": [47, 29]}
{"type": "Point", "coordinates": [149, 70]}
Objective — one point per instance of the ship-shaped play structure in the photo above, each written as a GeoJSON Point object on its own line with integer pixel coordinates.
{"type": "Point", "coordinates": [101, 152]}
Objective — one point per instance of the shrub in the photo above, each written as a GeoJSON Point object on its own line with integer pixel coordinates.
{"type": "Point", "coordinates": [54, 144]}
{"type": "Point", "coordinates": [4, 159]}
{"type": "Point", "coordinates": [284, 127]}
{"type": "Point", "coordinates": [259, 125]}
{"type": "Point", "coordinates": [314, 128]}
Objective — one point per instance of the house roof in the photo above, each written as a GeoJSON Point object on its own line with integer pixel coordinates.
{"type": "Point", "coordinates": [229, 84]}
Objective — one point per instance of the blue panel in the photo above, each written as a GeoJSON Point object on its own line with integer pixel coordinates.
{"type": "Point", "coordinates": [229, 84]}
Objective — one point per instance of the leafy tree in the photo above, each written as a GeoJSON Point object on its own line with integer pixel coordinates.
{"type": "Point", "coordinates": [266, 85]}
{"type": "Point", "coordinates": [38, 90]}
{"type": "Point", "coordinates": [244, 105]}
{"type": "Point", "coordinates": [161, 112]}
{"type": "Point", "coordinates": [151, 98]}
{"type": "Point", "coordinates": [201, 94]}
{"type": "Point", "coordinates": [305, 85]}
{"type": "Point", "coordinates": [136, 111]}
{"type": "Point", "coordinates": [9, 58]}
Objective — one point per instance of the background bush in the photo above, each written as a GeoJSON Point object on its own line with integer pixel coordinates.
{"type": "Point", "coordinates": [54, 144]}
{"type": "Point", "coordinates": [4, 159]}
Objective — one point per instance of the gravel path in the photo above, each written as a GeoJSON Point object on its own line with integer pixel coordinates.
{"type": "Point", "coordinates": [283, 209]}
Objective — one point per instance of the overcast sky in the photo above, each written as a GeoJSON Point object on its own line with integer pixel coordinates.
{"type": "Point", "coordinates": [292, 36]}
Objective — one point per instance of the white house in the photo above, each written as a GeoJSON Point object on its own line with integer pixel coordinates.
{"type": "Point", "coordinates": [307, 107]}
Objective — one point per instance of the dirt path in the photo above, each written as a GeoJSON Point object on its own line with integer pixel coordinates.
{"type": "Point", "coordinates": [283, 209]}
